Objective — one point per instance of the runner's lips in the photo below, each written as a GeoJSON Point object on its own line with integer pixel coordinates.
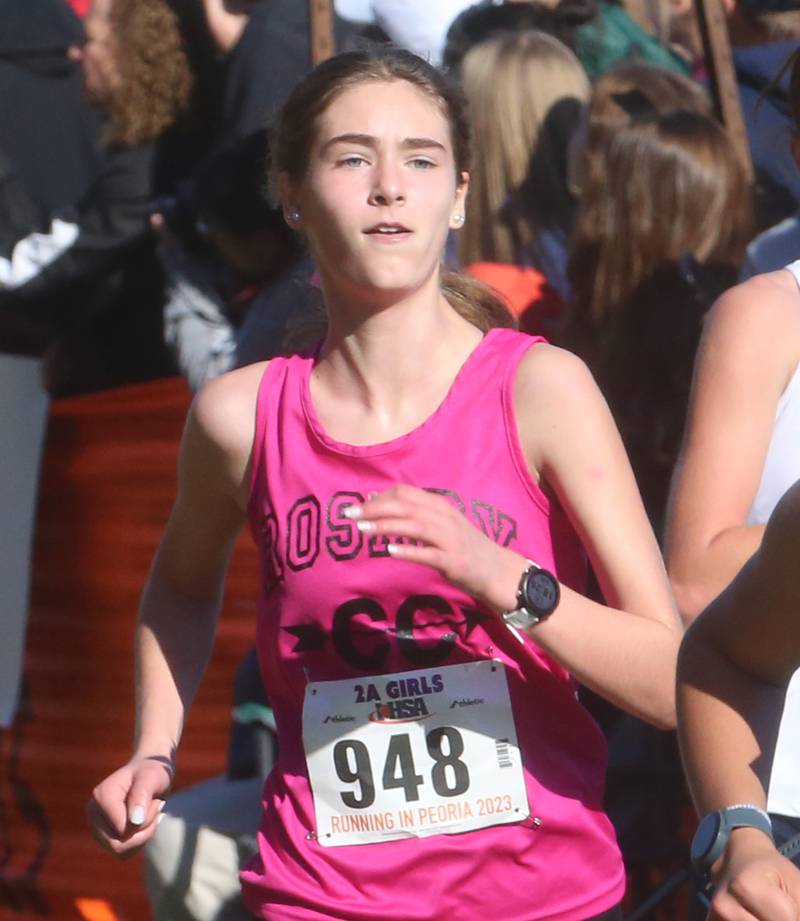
{"type": "Point", "coordinates": [388, 229]}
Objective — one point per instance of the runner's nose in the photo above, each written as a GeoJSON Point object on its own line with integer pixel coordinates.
{"type": "Point", "coordinates": [387, 187]}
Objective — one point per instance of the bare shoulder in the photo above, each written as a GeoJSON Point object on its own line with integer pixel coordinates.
{"type": "Point", "coordinates": [225, 407]}
{"type": "Point", "coordinates": [761, 307]}
{"type": "Point", "coordinates": [559, 408]}
{"type": "Point", "coordinates": [221, 424]}
{"type": "Point", "coordinates": [552, 385]}
{"type": "Point", "coordinates": [548, 373]}
{"type": "Point", "coordinates": [750, 345]}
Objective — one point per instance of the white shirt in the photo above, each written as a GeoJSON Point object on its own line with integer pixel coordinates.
{"type": "Point", "coordinates": [418, 25]}
{"type": "Point", "coordinates": [782, 463]}
{"type": "Point", "coordinates": [784, 784]}
{"type": "Point", "coordinates": [781, 469]}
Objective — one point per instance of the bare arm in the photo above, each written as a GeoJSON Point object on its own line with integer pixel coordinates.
{"type": "Point", "coordinates": [734, 665]}
{"type": "Point", "coordinates": [180, 605]}
{"type": "Point", "coordinates": [746, 358]}
{"type": "Point", "coordinates": [626, 651]}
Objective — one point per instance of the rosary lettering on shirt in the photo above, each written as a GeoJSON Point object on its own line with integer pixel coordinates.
{"type": "Point", "coordinates": [416, 753]}
{"type": "Point", "coordinates": [313, 527]}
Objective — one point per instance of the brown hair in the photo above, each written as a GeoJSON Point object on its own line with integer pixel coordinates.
{"type": "Point", "coordinates": [156, 80]}
{"type": "Point", "coordinates": [622, 94]}
{"type": "Point", "coordinates": [296, 125]}
{"type": "Point", "coordinates": [655, 243]}
{"type": "Point", "coordinates": [671, 185]}
{"type": "Point", "coordinates": [525, 91]}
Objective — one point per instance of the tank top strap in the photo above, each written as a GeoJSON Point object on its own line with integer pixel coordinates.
{"type": "Point", "coordinates": [501, 358]}
{"type": "Point", "coordinates": [515, 347]}
{"type": "Point", "coordinates": [277, 375]}
{"type": "Point", "coordinates": [257, 454]}
{"type": "Point", "coordinates": [520, 345]}
{"type": "Point", "coordinates": [794, 268]}
{"type": "Point", "coordinates": [494, 364]}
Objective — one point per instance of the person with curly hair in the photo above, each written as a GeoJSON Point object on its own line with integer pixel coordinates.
{"type": "Point", "coordinates": [70, 278]}
{"type": "Point", "coordinates": [152, 83]}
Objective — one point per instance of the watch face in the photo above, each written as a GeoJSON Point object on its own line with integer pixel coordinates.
{"type": "Point", "coordinates": [541, 592]}
{"type": "Point", "coordinates": [706, 836]}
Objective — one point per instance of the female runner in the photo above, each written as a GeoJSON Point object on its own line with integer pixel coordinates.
{"type": "Point", "coordinates": [401, 479]}
{"type": "Point", "coordinates": [733, 672]}
{"type": "Point", "coordinates": [740, 454]}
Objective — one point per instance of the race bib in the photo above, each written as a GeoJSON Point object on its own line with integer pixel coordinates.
{"type": "Point", "coordinates": [418, 753]}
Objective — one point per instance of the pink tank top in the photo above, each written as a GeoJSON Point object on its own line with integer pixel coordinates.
{"type": "Point", "coordinates": [337, 615]}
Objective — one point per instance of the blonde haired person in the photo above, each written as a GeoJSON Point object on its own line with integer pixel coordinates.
{"type": "Point", "coordinates": [525, 92]}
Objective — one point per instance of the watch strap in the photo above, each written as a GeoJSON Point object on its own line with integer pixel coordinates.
{"type": "Point", "coordinates": [520, 617]}
{"type": "Point", "coordinates": [746, 815]}
{"type": "Point", "coordinates": [741, 815]}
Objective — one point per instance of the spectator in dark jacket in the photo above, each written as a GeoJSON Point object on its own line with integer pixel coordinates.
{"type": "Point", "coordinates": [88, 274]}
{"type": "Point", "coordinates": [266, 49]}
{"type": "Point", "coordinates": [42, 105]}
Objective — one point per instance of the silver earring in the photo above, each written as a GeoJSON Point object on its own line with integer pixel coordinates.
{"type": "Point", "coordinates": [293, 215]}
{"type": "Point", "coordinates": [458, 218]}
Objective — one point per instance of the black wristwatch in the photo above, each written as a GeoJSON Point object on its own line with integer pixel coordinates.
{"type": "Point", "coordinates": [714, 830]}
{"type": "Point", "coordinates": [538, 595]}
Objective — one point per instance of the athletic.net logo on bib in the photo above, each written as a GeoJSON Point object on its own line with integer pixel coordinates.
{"type": "Point", "coordinates": [425, 752]}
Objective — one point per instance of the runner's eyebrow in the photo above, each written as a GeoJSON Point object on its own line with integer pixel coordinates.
{"type": "Point", "coordinates": [367, 140]}
{"type": "Point", "coordinates": [418, 143]}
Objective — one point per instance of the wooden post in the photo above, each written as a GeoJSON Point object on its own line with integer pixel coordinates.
{"type": "Point", "coordinates": [323, 40]}
{"type": "Point", "coordinates": [719, 63]}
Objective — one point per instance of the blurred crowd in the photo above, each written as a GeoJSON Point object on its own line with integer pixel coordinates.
{"type": "Point", "coordinates": [607, 204]}
{"type": "Point", "coordinates": [138, 238]}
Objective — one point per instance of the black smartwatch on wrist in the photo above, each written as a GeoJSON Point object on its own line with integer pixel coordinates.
{"type": "Point", "coordinates": [538, 595]}
{"type": "Point", "coordinates": [714, 831]}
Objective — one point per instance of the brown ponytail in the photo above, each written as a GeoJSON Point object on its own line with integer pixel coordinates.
{"type": "Point", "coordinates": [470, 298]}
{"type": "Point", "coordinates": [476, 302]}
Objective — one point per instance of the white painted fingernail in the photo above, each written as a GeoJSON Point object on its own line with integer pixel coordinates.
{"type": "Point", "coordinates": [353, 511]}
{"type": "Point", "coordinates": [137, 815]}
{"type": "Point", "coordinates": [366, 525]}
{"type": "Point", "coordinates": [161, 804]}
{"type": "Point", "coordinates": [393, 549]}
{"type": "Point", "coordinates": [160, 819]}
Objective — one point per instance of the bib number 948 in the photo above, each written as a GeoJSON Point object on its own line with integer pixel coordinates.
{"type": "Point", "coordinates": [449, 775]}
{"type": "Point", "coordinates": [413, 753]}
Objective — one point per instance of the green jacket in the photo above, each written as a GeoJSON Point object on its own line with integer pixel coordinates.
{"type": "Point", "coordinates": [613, 37]}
